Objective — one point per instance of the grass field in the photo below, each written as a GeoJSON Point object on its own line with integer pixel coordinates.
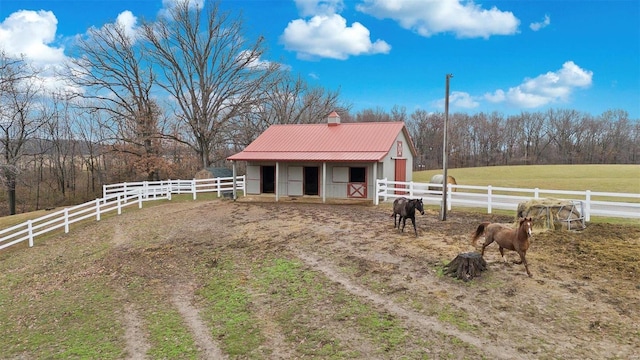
{"type": "Point", "coordinates": [601, 178]}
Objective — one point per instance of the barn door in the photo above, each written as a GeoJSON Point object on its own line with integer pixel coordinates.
{"type": "Point", "coordinates": [268, 179]}
{"type": "Point", "coordinates": [294, 181]}
{"type": "Point", "coordinates": [253, 179]}
{"type": "Point", "coordinates": [400, 173]}
{"type": "Point", "coordinates": [311, 180]}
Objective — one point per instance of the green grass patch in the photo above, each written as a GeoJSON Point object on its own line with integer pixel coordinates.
{"type": "Point", "coordinates": [457, 318]}
{"type": "Point", "coordinates": [58, 325]}
{"type": "Point", "coordinates": [229, 311]}
{"type": "Point", "coordinates": [169, 337]}
{"type": "Point", "coordinates": [600, 178]}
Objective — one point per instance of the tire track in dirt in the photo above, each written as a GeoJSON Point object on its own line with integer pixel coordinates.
{"type": "Point", "coordinates": [136, 340]}
{"type": "Point", "coordinates": [182, 299]}
{"type": "Point", "coordinates": [274, 337]}
{"type": "Point", "coordinates": [414, 318]}
{"type": "Point", "coordinates": [137, 345]}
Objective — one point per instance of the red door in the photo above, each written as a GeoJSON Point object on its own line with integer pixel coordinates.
{"type": "Point", "coordinates": [401, 173]}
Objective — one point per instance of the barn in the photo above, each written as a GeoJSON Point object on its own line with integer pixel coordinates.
{"type": "Point", "coordinates": [328, 161]}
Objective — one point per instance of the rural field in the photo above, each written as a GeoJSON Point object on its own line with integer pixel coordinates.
{"type": "Point", "coordinates": [256, 279]}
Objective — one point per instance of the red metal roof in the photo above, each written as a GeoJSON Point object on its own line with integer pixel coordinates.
{"type": "Point", "coordinates": [323, 142]}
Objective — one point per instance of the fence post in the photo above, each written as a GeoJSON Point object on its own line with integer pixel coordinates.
{"type": "Point", "coordinates": [193, 188]}
{"type": "Point", "coordinates": [119, 202]}
{"type": "Point", "coordinates": [218, 186]}
{"type": "Point", "coordinates": [377, 191]}
{"type": "Point", "coordinates": [449, 197]}
{"type": "Point", "coordinates": [536, 193]}
{"type": "Point", "coordinates": [30, 226]}
{"type": "Point", "coordinates": [139, 200]}
{"type": "Point", "coordinates": [587, 213]}
{"type": "Point", "coordinates": [386, 185]}
{"type": "Point", "coordinates": [489, 199]}
{"type": "Point", "coordinates": [97, 209]}
{"type": "Point", "coordinates": [66, 220]}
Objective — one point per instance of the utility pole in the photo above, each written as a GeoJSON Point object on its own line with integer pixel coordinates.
{"type": "Point", "coordinates": [445, 151]}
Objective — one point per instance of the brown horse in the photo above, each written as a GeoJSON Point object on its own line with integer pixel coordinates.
{"type": "Point", "coordinates": [507, 238]}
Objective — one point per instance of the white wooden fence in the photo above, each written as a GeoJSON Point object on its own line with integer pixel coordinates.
{"type": "Point", "coordinates": [491, 197]}
{"type": "Point", "coordinates": [115, 198]}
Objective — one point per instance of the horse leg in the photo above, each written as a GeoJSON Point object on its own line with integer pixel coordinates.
{"type": "Point", "coordinates": [523, 260]}
{"type": "Point", "coordinates": [487, 241]}
{"type": "Point", "coordinates": [404, 223]}
{"type": "Point", "coordinates": [502, 254]}
{"type": "Point", "coordinates": [413, 221]}
{"type": "Point", "coordinates": [394, 220]}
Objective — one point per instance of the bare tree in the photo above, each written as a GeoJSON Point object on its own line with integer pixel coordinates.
{"type": "Point", "coordinates": [211, 70]}
{"type": "Point", "coordinates": [290, 101]}
{"type": "Point", "coordinates": [116, 76]}
{"type": "Point", "coordinates": [426, 132]}
{"type": "Point", "coordinates": [20, 118]}
{"type": "Point", "coordinates": [373, 115]}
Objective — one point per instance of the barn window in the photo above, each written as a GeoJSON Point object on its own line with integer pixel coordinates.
{"type": "Point", "coordinates": [358, 174]}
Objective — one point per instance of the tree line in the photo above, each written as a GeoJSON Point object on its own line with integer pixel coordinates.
{"type": "Point", "coordinates": [185, 91]}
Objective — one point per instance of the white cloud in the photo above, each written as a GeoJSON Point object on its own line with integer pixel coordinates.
{"type": "Point", "coordinates": [458, 99]}
{"type": "Point", "coordinates": [466, 19]}
{"type": "Point", "coordinates": [319, 7]}
{"type": "Point", "coordinates": [544, 89]}
{"type": "Point", "coordinates": [328, 36]}
{"type": "Point", "coordinates": [128, 22]}
{"type": "Point", "coordinates": [257, 63]}
{"type": "Point", "coordinates": [170, 4]}
{"type": "Point", "coordinates": [31, 33]}
{"type": "Point", "coordinates": [462, 100]}
{"type": "Point", "coordinates": [539, 25]}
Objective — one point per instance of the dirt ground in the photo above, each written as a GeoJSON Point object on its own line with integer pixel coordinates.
{"type": "Point", "coordinates": [583, 301]}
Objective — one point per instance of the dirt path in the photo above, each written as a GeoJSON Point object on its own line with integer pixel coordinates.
{"type": "Point", "coordinates": [182, 299]}
{"type": "Point", "coordinates": [415, 319]}
{"type": "Point", "coordinates": [137, 344]}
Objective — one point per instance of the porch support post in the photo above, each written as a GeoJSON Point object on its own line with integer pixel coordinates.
{"type": "Point", "coordinates": [233, 166]}
{"type": "Point", "coordinates": [277, 181]}
{"type": "Point", "coordinates": [324, 182]}
{"type": "Point", "coordinates": [375, 180]}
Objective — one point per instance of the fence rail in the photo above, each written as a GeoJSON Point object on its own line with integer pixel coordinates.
{"type": "Point", "coordinates": [492, 197]}
{"type": "Point", "coordinates": [115, 197]}
{"type": "Point", "coordinates": [118, 196]}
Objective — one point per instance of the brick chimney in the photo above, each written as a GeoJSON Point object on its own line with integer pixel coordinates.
{"type": "Point", "coordinates": [333, 119]}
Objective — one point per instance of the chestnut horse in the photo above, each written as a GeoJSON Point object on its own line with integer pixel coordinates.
{"type": "Point", "coordinates": [507, 238]}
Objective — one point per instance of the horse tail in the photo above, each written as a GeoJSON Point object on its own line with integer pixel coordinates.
{"type": "Point", "coordinates": [479, 231]}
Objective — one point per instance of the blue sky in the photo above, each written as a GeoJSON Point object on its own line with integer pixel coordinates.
{"type": "Point", "coordinates": [506, 56]}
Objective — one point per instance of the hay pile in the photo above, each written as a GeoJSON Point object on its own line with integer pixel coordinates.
{"type": "Point", "coordinates": [553, 213]}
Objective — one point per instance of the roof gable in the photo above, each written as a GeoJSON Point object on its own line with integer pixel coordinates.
{"type": "Point", "coordinates": [347, 142]}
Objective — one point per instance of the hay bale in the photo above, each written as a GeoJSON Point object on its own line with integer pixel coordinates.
{"type": "Point", "coordinates": [437, 179]}
{"type": "Point", "coordinates": [553, 213]}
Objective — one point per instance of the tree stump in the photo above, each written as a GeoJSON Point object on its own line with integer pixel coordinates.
{"type": "Point", "coordinates": [466, 266]}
